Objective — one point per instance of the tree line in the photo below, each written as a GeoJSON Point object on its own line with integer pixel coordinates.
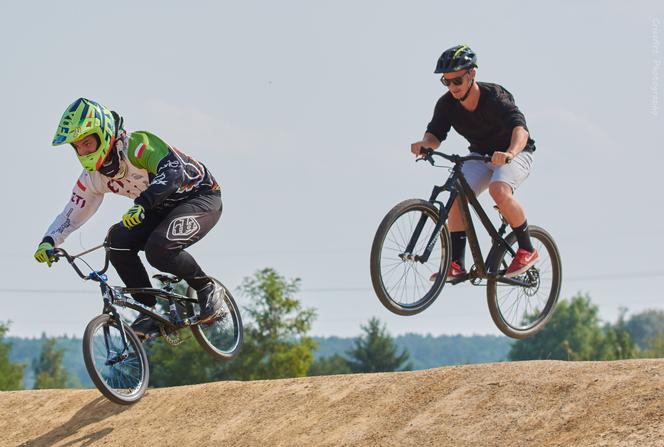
{"type": "Point", "coordinates": [277, 343]}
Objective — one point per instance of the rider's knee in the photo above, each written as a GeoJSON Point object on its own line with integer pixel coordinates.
{"type": "Point", "coordinates": [118, 248]}
{"type": "Point", "coordinates": [113, 234]}
{"type": "Point", "coordinates": [500, 192]}
{"type": "Point", "coordinates": [118, 237]}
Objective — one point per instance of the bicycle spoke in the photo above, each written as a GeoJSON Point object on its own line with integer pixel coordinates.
{"type": "Point", "coordinates": [525, 307]}
{"type": "Point", "coordinates": [406, 281]}
{"type": "Point", "coordinates": [124, 376]}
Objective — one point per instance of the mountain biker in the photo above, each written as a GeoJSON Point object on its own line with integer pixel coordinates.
{"type": "Point", "coordinates": [177, 201]}
{"type": "Point", "coordinates": [486, 115]}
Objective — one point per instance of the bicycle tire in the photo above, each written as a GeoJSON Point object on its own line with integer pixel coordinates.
{"type": "Point", "coordinates": [223, 338]}
{"type": "Point", "coordinates": [533, 323]}
{"type": "Point", "coordinates": [386, 293]}
{"type": "Point", "coordinates": [138, 359]}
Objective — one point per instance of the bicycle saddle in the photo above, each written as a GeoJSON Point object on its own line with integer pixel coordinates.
{"type": "Point", "coordinates": [166, 279]}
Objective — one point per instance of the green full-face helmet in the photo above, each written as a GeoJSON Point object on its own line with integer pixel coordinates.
{"type": "Point", "coordinates": [82, 118]}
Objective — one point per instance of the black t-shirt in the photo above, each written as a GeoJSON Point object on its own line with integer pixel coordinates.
{"type": "Point", "coordinates": [488, 128]}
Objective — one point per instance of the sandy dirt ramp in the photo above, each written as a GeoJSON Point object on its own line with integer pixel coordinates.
{"type": "Point", "coordinates": [544, 403]}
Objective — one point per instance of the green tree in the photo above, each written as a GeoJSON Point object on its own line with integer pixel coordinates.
{"type": "Point", "coordinates": [618, 343]}
{"type": "Point", "coordinates": [328, 366]}
{"type": "Point", "coordinates": [645, 326]}
{"type": "Point", "coordinates": [276, 344]}
{"type": "Point", "coordinates": [575, 333]}
{"type": "Point", "coordinates": [184, 364]}
{"type": "Point", "coordinates": [48, 368]}
{"type": "Point", "coordinates": [655, 346]}
{"type": "Point", "coordinates": [375, 351]}
{"type": "Point", "coordinates": [11, 374]}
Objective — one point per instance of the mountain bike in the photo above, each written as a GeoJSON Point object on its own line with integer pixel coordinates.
{"type": "Point", "coordinates": [411, 252]}
{"type": "Point", "coordinates": [114, 355]}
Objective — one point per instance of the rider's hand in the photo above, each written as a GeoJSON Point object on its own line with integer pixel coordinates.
{"type": "Point", "coordinates": [416, 148]}
{"type": "Point", "coordinates": [501, 158]}
{"type": "Point", "coordinates": [41, 255]}
{"type": "Point", "coordinates": [134, 216]}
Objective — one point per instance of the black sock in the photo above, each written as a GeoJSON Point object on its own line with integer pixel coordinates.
{"type": "Point", "coordinates": [459, 247]}
{"type": "Point", "coordinates": [523, 236]}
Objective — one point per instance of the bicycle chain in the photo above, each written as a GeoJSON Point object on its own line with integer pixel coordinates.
{"type": "Point", "coordinates": [172, 338]}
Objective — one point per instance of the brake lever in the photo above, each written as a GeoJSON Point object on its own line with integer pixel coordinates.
{"type": "Point", "coordinates": [425, 154]}
{"type": "Point", "coordinates": [427, 158]}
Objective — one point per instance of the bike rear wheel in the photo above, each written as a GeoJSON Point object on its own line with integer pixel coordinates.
{"type": "Point", "coordinates": [223, 338]}
{"type": "Point", "coordinates": [121, 374]}
{"type": "Point", "coordinates": [401, 282]}
{"type": "Point", "coordinates": [518, 311]}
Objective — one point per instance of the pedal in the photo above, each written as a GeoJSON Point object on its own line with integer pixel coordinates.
{"type": "Point", "coordinates": [460, 279]}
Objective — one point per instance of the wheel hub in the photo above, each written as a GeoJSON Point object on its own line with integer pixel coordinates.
{"type": "Point", "coordinates": [532, 276]}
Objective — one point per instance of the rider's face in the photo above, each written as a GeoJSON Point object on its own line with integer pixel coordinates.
{"type": "Point", "coordinates": [86, 145]}
{"type": "Point", "coordinates": [458, 90]}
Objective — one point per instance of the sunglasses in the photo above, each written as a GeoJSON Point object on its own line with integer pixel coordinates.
{"type": "Point", "coordinates": [456, 81]}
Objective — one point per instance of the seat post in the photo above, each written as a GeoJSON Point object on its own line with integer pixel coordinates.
{"type": "Point", "coordinates": [504, 224]}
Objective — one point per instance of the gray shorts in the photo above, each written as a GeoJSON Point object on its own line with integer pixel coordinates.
{"type": "Point", "coordinates": [480, 174]}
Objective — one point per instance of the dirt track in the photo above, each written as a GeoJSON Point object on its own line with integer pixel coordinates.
{"type": "Point", "coordinates": [529, 403]}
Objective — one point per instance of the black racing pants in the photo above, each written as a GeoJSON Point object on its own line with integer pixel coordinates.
{"type": "Point", "coordinates": [164, 234]}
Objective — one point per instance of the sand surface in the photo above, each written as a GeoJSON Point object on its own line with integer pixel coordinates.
{"type": "Point", "coordinates": [541, 403]}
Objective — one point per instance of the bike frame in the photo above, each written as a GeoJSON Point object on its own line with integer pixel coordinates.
{"type": "Point", "coordinates": [119, 296]}
{"type": "Point", "coordinates": [459, 189]}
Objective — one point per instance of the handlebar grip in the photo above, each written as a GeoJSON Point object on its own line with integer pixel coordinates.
{"type": "Point", "coordinates": [53, 255]}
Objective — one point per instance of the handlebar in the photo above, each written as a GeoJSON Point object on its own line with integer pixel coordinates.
{"type": "Point", "coordinates": [58, 253]}
{"type": "Point", "coordinates": [428, 153]}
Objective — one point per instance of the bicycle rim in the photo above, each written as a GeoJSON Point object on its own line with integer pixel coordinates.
{"type": "Point", "coordinates": [121, 369]}
{"type": "Point", "coordinates": [223, 338]}
{"type": "Point", "coordinates": [404, 284]}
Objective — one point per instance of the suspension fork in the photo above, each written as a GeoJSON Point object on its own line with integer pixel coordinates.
{"type": "Point", "coordinates": [442, 218]}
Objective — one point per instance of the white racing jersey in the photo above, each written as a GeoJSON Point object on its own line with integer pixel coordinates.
{"type": "Point", "coordinates": [87, 195]}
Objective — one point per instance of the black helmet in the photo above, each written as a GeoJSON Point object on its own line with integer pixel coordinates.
{"type": "Point", "coordinates": [456, 58]}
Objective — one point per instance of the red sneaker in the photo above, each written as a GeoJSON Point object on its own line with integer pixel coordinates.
{"type": "Point", "coordinates": [521, 262]}
{"type": "Point", "coordinates": [454, 272]}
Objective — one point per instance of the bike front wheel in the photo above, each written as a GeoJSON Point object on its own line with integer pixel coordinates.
{"type": "Point", "coordinates": [120, 372]}
{"type": "Point", "coordinates": [522, 311]}
{"type": "Point", "coordinates": [404, 283]}
{"type": "Point", "coordinates": [221, 339]}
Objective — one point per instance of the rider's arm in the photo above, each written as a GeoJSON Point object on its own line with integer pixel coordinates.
{"type": "Point", "coordinates": [518, 142]}
{"type": "Point", "coordinates": [84, 202]}
{"type": "Point", "coordinates": [513, 119]}
{"type": "Point", "coordinates": [440, 123]}
{"type": "Point", "coordinates": [149, 152]}
{"type": "Point", "coordinates": [437, 129]}
{"type": "Point", "coordinates": [430, 140]}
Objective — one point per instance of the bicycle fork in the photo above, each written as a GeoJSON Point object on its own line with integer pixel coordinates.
{"type": "Point", "coordinates": [107, 293]}
{"type": "Point", "coordinates": [442, 218]}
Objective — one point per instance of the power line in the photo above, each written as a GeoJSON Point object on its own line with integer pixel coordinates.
{"type": "Point", "coordinates": [603, 277]}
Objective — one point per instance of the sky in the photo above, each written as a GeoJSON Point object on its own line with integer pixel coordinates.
{"type": "Point", "coordinates": [305, 112]}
